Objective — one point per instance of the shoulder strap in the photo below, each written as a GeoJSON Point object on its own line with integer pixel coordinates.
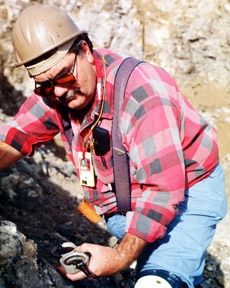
{"type": "Point", "coordinates": [120, 156]}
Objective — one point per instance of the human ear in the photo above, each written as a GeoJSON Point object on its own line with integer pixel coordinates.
{"type": "Point", "coordinates": [87, 52]}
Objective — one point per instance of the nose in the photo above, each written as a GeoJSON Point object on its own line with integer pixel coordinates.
{"type": "Point", "coordinates": [60, 91]}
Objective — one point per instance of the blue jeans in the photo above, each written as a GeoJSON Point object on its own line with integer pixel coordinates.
{"type": "Point", "coordinates": [182, 250]}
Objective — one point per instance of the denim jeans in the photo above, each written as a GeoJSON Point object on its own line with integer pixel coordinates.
{"type": "Point", "coordinates": [182, 250]}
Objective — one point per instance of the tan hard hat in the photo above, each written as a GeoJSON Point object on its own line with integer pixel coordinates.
{"type": "Point", "coordinates": [41, 28]}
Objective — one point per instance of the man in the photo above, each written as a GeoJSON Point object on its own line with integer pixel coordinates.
{"type": "Point", "coordinates": [177, 184]}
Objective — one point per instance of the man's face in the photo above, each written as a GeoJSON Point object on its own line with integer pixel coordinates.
{"type": "Point", "coordinates": [75, 94]}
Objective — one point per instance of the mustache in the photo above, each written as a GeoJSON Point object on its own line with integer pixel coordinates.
{"type": "Point", "coordinates": [69, 95]}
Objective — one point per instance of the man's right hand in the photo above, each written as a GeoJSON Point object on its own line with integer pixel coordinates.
{"type": "Point", "coordinates": [8, 155]}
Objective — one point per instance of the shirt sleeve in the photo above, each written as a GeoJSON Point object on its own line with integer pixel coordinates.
{"type": "Point", "coordinates": [154, 118]}
{"type": "Point", "coordinates": [34, 124]}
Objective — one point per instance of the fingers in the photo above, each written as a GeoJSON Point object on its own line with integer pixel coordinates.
{"type": "Point", "coordinates": [61, 270]}
{"type": "Point", "coordinates": [74, 264]}
{"type": "Point", "coordinates": [73, 277]}
{"type": "Point", "coordinates": [85, 247]}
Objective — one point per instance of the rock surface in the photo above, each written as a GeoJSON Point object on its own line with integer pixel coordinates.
{"type": "Point", "coordinates": [39, 195]}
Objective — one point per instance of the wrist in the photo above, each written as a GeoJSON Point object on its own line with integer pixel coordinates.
{"type": "Point", "coordinates": [129, 249]}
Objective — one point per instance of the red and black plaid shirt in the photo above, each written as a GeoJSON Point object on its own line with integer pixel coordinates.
{"type": "Point", "coordinates": [170, 145]}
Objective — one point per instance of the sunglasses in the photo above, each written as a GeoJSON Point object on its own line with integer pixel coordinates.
{"type": "Point", "coordinates": [65, 80]}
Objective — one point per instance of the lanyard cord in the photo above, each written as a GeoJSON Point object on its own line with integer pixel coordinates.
{"type": "Point", "coordinates": [86, 138]}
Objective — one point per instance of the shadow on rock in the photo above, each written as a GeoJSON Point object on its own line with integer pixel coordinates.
{"type": "Point", "coordinates": [213, 275]}
{"type": "Point", "coordinates": [10, 98]}
{"type": "Point", "coordinates": [42, 206]}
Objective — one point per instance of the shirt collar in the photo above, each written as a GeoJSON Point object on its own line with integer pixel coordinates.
{"type": "Point", "coordinates": [100, 94]}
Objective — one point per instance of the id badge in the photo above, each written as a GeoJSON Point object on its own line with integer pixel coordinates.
{"type": "Point", "coordinates": [86, 169]}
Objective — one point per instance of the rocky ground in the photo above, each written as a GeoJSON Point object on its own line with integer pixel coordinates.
{"type": "Point", "coordinates": [40, 196]}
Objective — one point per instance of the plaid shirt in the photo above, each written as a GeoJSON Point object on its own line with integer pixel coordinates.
{"type": "Point", "coordinates": [170, 146]}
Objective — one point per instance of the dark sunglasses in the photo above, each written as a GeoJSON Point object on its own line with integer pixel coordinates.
{"type": "Point", "coordinates": [46, 89]}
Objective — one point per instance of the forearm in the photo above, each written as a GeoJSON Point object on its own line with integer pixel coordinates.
{"type": "Point", "coordinates": [129, 249]}
{"type": "Point", "coordinates": [106, 260]}
{"type": "Point", "coordinates": [8, 155]}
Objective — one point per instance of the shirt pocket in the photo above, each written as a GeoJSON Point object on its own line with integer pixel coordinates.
{"type": "Point", "coordinates": [103, 167]}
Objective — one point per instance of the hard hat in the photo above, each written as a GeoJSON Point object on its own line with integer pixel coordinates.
{"type": "Point", "coordinates": [152, 281]}
{"type": "Point", "coordinates": [41, 28]}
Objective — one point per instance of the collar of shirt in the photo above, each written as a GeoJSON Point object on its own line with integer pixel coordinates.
{"type": "Point", "coordinates": [100, 100]}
